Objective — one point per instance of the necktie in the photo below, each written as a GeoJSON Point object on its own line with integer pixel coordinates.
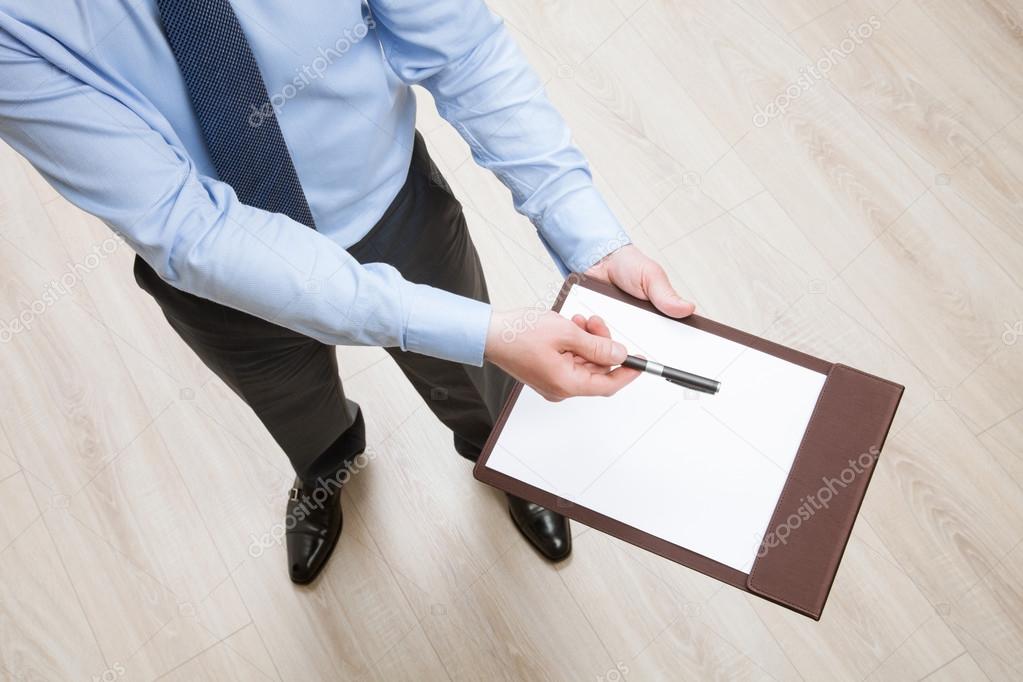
{"type": "Point", "coordinates": [231, 102]}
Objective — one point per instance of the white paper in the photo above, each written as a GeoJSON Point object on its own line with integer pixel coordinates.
{"type": "Point", "coordinates": [702, 472]}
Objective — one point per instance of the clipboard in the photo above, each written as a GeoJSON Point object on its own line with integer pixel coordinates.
{"type": "Point", "coordinates": [846, 430]}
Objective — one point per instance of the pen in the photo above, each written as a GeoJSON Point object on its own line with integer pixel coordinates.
{"type": "Point", "coordinates": [675, 376]}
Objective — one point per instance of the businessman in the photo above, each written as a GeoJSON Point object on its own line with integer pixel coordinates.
{"type": "Point", "coordinates": [262, 161]}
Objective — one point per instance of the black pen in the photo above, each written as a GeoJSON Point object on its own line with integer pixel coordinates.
{"type": "Point", "coordinates": [675, 376]}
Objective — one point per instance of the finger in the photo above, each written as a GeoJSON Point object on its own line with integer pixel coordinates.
{"type": "Point", "coordinates": [582, 363]}
{"type": "Point", "coordinates": [598, 384]}
{"type": "Point", "coordinates": [600, 350]}
{"type": "Point", "coordinates": [596, 325]}
{"type": "Point", "coordinates": [659, 291]}
{"type": "Point", "coordinates": [590, 367]}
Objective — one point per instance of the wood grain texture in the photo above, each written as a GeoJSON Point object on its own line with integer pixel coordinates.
{"type": "Point", "coordinates": [877, 221]}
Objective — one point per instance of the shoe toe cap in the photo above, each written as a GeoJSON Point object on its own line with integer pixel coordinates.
{"type": "Point", "coordinates": [306, 556]}
{"type": "Point", "coordinates": [558, 547]}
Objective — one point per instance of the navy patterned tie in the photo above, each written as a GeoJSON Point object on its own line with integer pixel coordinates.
{"type": "Point", "coordinates": [230, 100]}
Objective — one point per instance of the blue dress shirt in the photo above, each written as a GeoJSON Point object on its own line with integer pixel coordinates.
{"type": "Point", "coordinates": [91, 95]}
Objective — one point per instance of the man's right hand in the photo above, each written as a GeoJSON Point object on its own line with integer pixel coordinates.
{"type": "Point", "coordinates": [558, 358]}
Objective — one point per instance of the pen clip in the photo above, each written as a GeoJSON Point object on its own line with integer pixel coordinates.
{"type": "Point", "coordinates": [688, 387]}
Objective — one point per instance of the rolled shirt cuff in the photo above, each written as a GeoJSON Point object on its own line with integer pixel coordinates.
{"type": "Point", "coordinates": [446, 326]}
{"type": "Point", "coordinates": [580, 229]}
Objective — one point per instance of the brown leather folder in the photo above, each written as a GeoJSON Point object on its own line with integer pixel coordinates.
{"type": "Point", "coordinates": [814, 517]}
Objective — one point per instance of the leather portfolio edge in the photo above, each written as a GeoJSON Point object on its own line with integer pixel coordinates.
{"type": "Point", "coordinates": [771, 576]}
{"type": "Point", "coordinates": [806, 538]}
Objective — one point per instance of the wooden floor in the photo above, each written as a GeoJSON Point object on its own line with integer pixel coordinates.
{"type": "Point", "coordinates": [873, 216]}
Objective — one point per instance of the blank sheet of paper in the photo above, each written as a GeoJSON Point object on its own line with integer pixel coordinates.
{"type": "Point", "coordinates": [703, 472]}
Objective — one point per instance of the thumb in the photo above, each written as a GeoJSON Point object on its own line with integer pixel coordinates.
{"type": "Point", "coordinates": [664, 297]}
{"type": "Point", "coordinates": [600, 350]}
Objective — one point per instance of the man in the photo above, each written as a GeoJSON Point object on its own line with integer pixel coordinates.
{"type": "Point", "coordinates": [261, 160]}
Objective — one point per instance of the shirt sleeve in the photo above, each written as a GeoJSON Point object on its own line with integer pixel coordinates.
{"type": "Point", "coordinates": [200, 238]}
{"type": "Point", "coordinates": [483, 85]}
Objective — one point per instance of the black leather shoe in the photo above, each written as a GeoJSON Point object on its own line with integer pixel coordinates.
{"type": "Point", "coordinates": [312, 524]}
{"type": "Point", "coordinates": [312, 528]}
{"type": "Point", "coordinates": [546, 530]}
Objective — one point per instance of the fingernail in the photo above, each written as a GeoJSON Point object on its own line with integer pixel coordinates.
{"type": "Point", "coordinates": [619, 349]}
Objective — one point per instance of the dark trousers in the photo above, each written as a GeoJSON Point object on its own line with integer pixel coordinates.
{"type": "Point", "coordinates": [291, 381]}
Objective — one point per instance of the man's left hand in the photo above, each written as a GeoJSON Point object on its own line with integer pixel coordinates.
{"type": "Point", "coordinates": [633, 272]}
